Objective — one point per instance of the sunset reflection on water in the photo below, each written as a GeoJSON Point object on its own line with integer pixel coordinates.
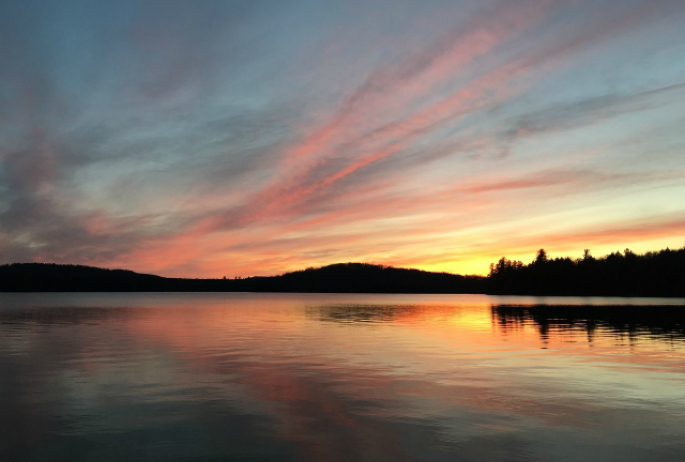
{"type": "Point", "coordinates": [339, 377]}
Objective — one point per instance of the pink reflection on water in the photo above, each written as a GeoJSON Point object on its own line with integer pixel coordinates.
{"type": "Point", "coordinates": [364, 377]}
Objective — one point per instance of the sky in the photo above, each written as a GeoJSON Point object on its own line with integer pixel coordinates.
{"type": "Point", "coordinates": [237, 138]}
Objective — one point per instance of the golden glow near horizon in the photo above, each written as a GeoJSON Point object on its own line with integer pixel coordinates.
{"type": "Point", "coordinates": [440, 137]}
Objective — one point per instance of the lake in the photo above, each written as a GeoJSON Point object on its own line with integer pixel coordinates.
{"type": "Point", "coordinates": [340, 377]}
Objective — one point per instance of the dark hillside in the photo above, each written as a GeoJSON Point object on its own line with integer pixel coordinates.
{"type": "Point", "coordinates": [48, 277]}
{"type": "Point", "coordinates": [344, 277]}
{"type": "Point", "coordinates": [654, 274]}
{"type": "Point", "coordinates": [366, 278]}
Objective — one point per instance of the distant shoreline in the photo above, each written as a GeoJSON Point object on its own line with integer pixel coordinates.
{"type": "Point", "coordinates": [654, 274]}
{"type": "Point", "coordinates": [680, 300]}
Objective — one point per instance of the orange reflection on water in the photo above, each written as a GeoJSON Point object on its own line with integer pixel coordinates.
{"type": "Point", "coordinates": [371, 377]}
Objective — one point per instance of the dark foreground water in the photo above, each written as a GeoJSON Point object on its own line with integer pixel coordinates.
{"type": "Point", "coordinates": [205, 377]}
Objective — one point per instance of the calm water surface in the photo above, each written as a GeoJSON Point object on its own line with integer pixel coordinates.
{"type": "Point", "coordinates": [204, 377]}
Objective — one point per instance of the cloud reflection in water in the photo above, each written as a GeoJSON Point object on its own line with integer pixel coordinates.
{"type": "Point", "coordinates": [332, 377]}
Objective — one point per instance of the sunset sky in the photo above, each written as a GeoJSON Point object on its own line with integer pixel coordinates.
{"type": "Point", "coordinates": [236, 138]}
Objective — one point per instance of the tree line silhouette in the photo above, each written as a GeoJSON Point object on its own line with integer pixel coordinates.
{"type": "Point", "coordinates": [659, 273]}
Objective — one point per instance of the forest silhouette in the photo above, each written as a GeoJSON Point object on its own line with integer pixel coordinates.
{"type": "Point", "coordinates": [659, 273]}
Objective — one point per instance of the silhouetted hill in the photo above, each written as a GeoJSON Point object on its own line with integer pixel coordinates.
{"type": "Point", "coordinates": [366, 278]}
{"type": "Point", "coordinates": [654, 274]}
{"type": "Point", "coordinates": [344, 277]}
{"type": "Point", "coordinates": [48, 277]}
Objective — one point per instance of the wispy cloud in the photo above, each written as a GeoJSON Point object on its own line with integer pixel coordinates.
{"type": "Point", "coordinates": [183, 142]}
